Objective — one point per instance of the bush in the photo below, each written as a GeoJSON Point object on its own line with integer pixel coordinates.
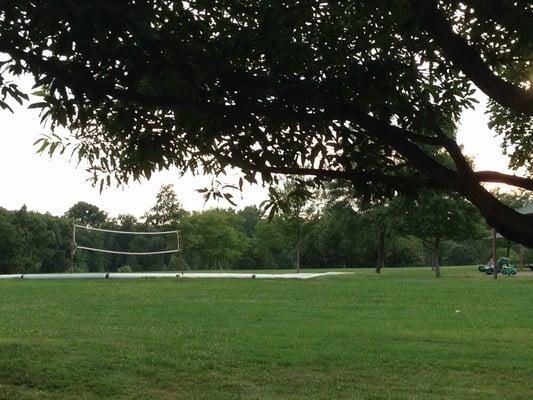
{"type": "Point", "coordinates": [124, 268]}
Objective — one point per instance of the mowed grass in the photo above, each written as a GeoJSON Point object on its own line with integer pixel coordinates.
{"type": "Point", "coordinates": [399, 335]}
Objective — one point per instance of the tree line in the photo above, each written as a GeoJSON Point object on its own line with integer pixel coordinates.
{"type": "Point", "coordinates": [297, 227]}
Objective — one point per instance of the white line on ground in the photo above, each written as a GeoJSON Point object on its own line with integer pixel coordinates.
{"type": "Point", "coordinates": [191, 275]}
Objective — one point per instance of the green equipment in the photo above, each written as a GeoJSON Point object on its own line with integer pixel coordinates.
{"type": "Point", "coordinates": [503, 266]}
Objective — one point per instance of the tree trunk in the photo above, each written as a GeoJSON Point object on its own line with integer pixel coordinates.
{"type": "Point", "coordinates": [380, 262]}
{"type": "Point", "coordinates": [435, 258]}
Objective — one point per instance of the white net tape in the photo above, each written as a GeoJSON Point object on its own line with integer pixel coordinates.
{"type": "Point", "coordinates": [90, 228]}
{"type": "Point", "coordinates": [130, 253]}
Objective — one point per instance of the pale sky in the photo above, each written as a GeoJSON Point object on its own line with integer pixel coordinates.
{"type": "Point", "coordinates": [54, 185]}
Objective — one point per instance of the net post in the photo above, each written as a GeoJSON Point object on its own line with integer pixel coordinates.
{"type": "Point", "coordinates": [73, 248]}
{"type": "Point", "coordinates": [178, 246]}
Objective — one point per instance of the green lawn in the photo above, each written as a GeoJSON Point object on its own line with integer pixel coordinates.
{"type": "Point", "coordinates": [401, 335]}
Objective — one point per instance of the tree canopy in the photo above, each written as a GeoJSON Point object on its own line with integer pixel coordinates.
{"type": "Point", "coordinates": [434, 217]}
{"type": "Point", "coordinates": [167, 211]}
{"type": "Point", "coordinates": [365, 91]}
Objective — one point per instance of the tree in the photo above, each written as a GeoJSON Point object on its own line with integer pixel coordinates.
{"type": "Point", "coordinates": [167, 210]}
{"type": "Point", "coordinates": [271, 246]}
{"type": "Point", "coordinates": [293, 201]}
{"type": "Point", "coordinates": [249, 217]}
{"type": "Point", "coordinates": [10, 245]}
{"type": "Point", "coordinates": [383, 218]}
{"type": "Point", "coordinates": [339, 233]}
{"type": "Point", "coordinates": [213, 238]}
{"type": "Point", "coordinates": [514, 199]}
{"type": "Point", "coordinates": [359, 90]}
{"type": "Point", "coordinates": [87, 214]}
{"type": "Point", "coordinates": [434, 217]}
{"type": "Point", "coordinates": [377, 213]}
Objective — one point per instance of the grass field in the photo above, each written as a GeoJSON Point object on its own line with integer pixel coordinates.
{"type": "Point", "coordinates": [401, 335]}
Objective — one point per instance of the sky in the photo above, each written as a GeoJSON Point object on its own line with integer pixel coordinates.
{"type": "Point", "coordinates": [54, 184]}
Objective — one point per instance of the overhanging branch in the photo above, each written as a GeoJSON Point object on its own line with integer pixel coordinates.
{"type": "Point", "coordinates": [498, 177]}
{"type": "Point", "coordinates": [470, 62]}
{"type": "Point", "coordinates": [400, 183]}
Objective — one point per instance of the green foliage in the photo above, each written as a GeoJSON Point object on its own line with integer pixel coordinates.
{"type": "Point", "coordinates": [403, 251]}
{"type": "Point", "coordinates": [342, 236]}
{"type": "Point", "coordinates": [515, 199]}
{"type": "Point", "coordinates": [213, 240]}
{"type": "Point", "coordinates": [167, 210]}
{"type": "Point", "coordinates": [368, 91]}
{"type": "Point", "coordinates": [87, 214]}
{"type": "Point", "coordinates": [334, 231]}
{"type": "Point", "coordinates": [293, 200]}
{"type": "Point", "coordinates": [439, 216]}
{"type": "Point", "coordinates": [270, 245]}
{"type": "Point", "coordinates": [10, 245]}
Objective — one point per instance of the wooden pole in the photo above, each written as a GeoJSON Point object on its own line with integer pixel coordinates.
{"type": "Point", "coordinates": [494, 253]}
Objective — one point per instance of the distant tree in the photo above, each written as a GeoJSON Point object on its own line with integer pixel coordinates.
{"type": "Point", "coordinates": [59, 244]}
{"type": "Point", "coordinates": [514, 199]}
{"type": "Point", "coordinates": [246, 221]}
{"type": "Point", "coordinates": [271, 246]}
{"type": "Point", "coordinates": [249, 217]}
{"type": "Point", "coordinates": [127, 221]}
{"type": "Point", "coordinates": [294, 200]}
{"type": "Point", "coordinates": [383, 218]}
{"type": "Point", "coordinates": [404, 250]}
{"type": "Point", "coordinates": [434, 217]}
{"type": "Point", "coordinates": [87, 214]}
{"type": "Point", "coordinates": [377, 214]}
{"type": "Point", "coordinates": [10, 245]}
{"type": "Point", "coordinates": [214, 239]}
{"type": "Point", "coordinates": [340, 233]}
{"type": "Point", "coordinates": [37, 240]}
{"type": "Point", "coordinates": [167, 211]}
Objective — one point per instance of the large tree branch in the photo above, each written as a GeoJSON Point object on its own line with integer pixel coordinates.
{"type": "Point", "coordinates": [456, 154]}
{"type": "Point", "coordinates": [509, 223]}
{"type": "Point", "coordinates": [498, 177]}
{"type": "Point", "coordinates": [470, 62]}
{"type": "Point", "coordinates": [400, 183]}
{"type": "Point", "coordinates": [398, 139]}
